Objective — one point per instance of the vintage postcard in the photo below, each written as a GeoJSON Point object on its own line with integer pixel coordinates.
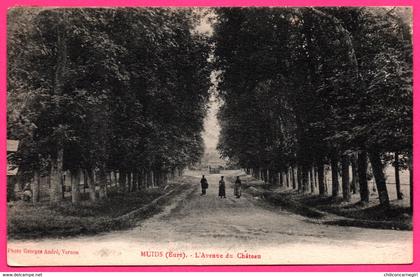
{"type": "Point", "coordinates": [209, 136]}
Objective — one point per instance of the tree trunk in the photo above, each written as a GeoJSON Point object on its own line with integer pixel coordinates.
{"type": "Point", "coordinates": [152, 178]}
{"type": "Point", "coordinates": [135, 180]}
{"type": "Point", "coordinates": [35, 187]}
{"type": "Point", "coordinates": [315, 176]}
{"type": "Point", "coordinates": [147, 176]}
{"type": "Point", "coordinates": [281, 178]}
{"type": "Point", "coordinates": [410, 169]}
{"type": "Point", "coordinates": [264, 177]}
{"type": "Point", "coordinates": [321, 184]}
{"type": "Point", "coordinates": [397, 176]}
{"type": "Point", "coordinates": [267, 175]}
{"type": "Point", "coordinates": [145, 182]}
{"type": "Point", "coordinates": [116, 178]}
{"type": "Point", "coordinates": [334, 176]}
{"type": "Point", "coordinates": [109, 178]}
{"type": "Point", "coordinates": [164, 179]}
{"type": "Point", "coordinates": [129, 182]}
{"type": "Point", "coordinates": [85, 181]}
{"type": "Point", "coordinates": [274, 177]}
{"type": "Point", "coordinates": [56, 180]}
{"type": "Point", "coordinates": [63, 187]}
{"type": "Point", "coordinates": [60, 160]}
{"type": "Point", "coordinates": [305, 179]}
{"type": "Point", "coordinates": [122, 180]}
{"type": "Point", "coordinates": [161, 182]}
{"type": "Point", "coordinates": [293, 178]}
{"type": "Point", "coordinates": [345, 182]}
{"type": "Point", "coordinates": [299, 178]}
{"type": "Point", "coordinates": [377, 167]}
{"type": "Point", "coordinates": [75, 186]}
{"type": "Point", "coordinates": [140, 179]}
{"type": "Point", "coordinates": [362, 172]}
{"type": "Point", "coordinates": [102, 183]}
{"type": "Point", "coordinates": [56, 177]}
{"type": "Point", "coordinates": [92, 185]}
{"type": "Point", "coordinates": [287, 177]}
{"type": "Point", "coordinates": [311, 179]}
{"type": "Point", "coordinates": [354, 175]}
{"type": "Point", "coordinates": [158, 180]}
{"type": "Point", "coordinates": [325, 183]}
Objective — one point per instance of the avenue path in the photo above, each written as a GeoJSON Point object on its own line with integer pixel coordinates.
{"type": "Point", "coordinates": [194, 229]}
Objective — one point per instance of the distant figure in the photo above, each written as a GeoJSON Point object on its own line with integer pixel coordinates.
{"type": "Point", "coordinates": [204, 185]}
{"type": "Point", "coordinates": [222, 188]}
{"type": "Point", "coordinates": [27, 193]}
{"type": "Point", "coordinates": [238, 188]}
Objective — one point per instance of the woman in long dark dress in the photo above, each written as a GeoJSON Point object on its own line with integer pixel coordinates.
{"type": "Point", "coordinates": [238, 188]}
{"type": "Point", "coordinates": [222, 188]}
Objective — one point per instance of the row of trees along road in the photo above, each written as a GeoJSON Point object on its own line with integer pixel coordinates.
{"type": "Point", "coordinates": [303, 88]}
{"type": "Point", "coordinates": [105, 90]}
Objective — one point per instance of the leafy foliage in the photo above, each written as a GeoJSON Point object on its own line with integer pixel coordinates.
{"type": "Point", "coordinates": [303, 84]}
{"type": "Point", "coordinates": [116, 88]}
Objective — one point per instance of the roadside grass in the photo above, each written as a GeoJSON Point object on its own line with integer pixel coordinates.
{"type": "Point", "coordinates": [357, 210]}
{"type": "Point", "coordinates": [29, 221]}
{"type": "Point", "coordinates": [333, 211]}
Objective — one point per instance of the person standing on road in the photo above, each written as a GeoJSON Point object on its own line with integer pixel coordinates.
{"type": "Point", "coordinates": [204, 185]}
{"type": "Point", "coordinates": [222, 188]}
{"type": "Point", "coordinates": [237, 188]}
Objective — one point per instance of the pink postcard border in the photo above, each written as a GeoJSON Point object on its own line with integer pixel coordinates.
{"type": "Point", "coordinates": [6, 4]}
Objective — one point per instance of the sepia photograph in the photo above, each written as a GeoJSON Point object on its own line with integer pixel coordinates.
{"type": "Point", "coordinates": [142, 136]}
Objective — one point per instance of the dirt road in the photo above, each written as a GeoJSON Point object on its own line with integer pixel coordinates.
{"type": "Point", "coordinates": [196, 229]}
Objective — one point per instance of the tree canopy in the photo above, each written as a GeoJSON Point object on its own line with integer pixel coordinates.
{"type": "Point", "coordinates": [113, 89]}
{"type": "Point", "coordinates": [302, 86]}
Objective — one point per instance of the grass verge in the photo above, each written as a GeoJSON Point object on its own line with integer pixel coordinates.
{"type": "Point", "coordinates": [119, 211]}
{"type": "Point", "coordinates": [333, 211]}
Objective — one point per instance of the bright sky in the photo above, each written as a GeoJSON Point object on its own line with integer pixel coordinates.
{"type": "Point", "coordinates": [211, 124]}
